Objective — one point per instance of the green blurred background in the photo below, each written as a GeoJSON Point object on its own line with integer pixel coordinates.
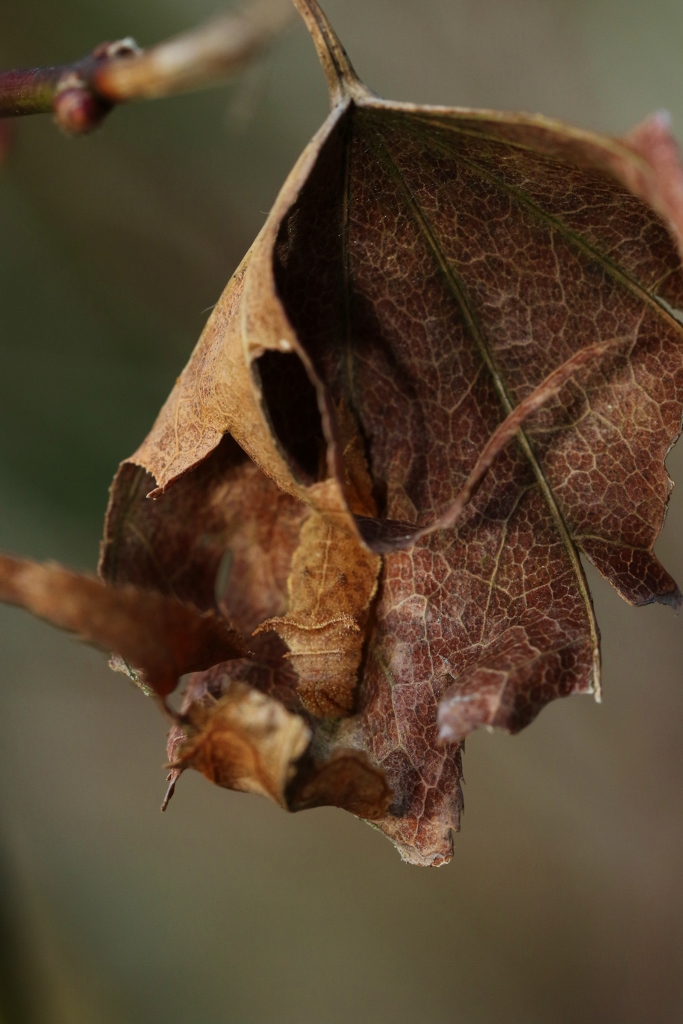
{"type": "Point", "coordinates": [564, 902]}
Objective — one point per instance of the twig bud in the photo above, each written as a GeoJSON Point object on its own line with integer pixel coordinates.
{"type": "Point", "coordinates": [77, 109]}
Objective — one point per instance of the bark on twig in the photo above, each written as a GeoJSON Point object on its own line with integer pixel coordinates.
{"type": "Point", "coordinates": [81, 94]}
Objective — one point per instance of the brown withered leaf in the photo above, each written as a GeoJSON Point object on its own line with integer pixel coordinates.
{"type": "Point", "coordinates": [431, 284]}
{"type": "Point", "coordinates": [159, 637]}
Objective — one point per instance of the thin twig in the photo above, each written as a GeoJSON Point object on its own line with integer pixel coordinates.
{"type": "Point", "coordinates": [81, 94]}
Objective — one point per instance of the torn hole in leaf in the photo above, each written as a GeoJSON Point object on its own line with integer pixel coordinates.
{"type": "Point", "coordinates": [291, 402]}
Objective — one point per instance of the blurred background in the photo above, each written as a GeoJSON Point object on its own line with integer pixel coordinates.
{"type": "Point", "coordinates": [564, 901]}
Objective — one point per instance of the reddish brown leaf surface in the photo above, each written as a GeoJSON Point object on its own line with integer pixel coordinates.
{"type": "Point", "coordinates": [451, 363]}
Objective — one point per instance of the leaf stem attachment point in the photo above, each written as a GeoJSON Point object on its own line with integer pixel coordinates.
{"type": "Point", "coordinates": [342, 81]}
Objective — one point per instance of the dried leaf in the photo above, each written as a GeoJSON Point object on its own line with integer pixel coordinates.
{"type": "Point", "coordinates": [160, 637]}
{"type": "Point", "coordinates": [429, 284]}
{"type": "Point", "coordinates": [455, 344]}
